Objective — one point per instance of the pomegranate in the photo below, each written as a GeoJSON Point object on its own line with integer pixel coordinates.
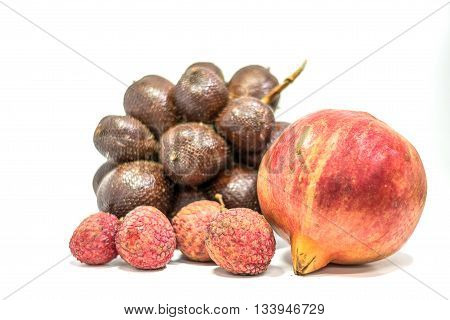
{"type": "Point", "coordinates": [342, 187]}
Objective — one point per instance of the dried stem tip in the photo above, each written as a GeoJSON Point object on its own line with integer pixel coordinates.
{"type": "Point", "coordinates": [219, 198]}
{"type": "Point", "coordinates": [267, 99]}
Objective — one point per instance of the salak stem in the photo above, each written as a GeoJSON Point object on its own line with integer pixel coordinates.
{"type": "Point", "coordinates": [267, 99]}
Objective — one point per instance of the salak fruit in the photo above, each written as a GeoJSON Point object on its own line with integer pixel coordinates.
{"type": "Point", "coordinates": [149, 101]}
{"type": "Point", "coordinates": [253, 81]}
{"type": "Point", "coordinates": [342, 187]}
{"type": "Point", "coordinates": [237, 187]}
{"type": "Point", "coordinates": [185, 195]}
{"type": "Point", "coordinates": [134, 184]}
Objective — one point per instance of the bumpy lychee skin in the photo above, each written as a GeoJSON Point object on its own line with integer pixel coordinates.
{"type": "Point", "coordinates": [241, 241]}
{"type": "Point", "coordinates": [93, 240]}
{"type": "Point", "coordinates": [191, 228]}
{"type": "Point", "coordinates": [145, 238]}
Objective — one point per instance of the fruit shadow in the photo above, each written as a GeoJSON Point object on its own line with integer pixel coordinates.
{"type": "Point", "coordinates": [183, 260]}
{"type": "Point", "coordinates": [373, 269]}
{"type": "Point", "coordinates": [281, 243]}
{"type": "Point", "coordinates": [116, 263]}
{"type": "Point", "coordinates": [113, 264]}
{"type": "Point", "coordinates": [272, 271]}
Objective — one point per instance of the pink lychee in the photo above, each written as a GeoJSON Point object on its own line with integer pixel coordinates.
{"type": "Point", "coordinates": [241, 241]}
{"type": "Point", "coordinates": [93, 240]}
{"type": "Point", "coordinates": [145, 238]}
{"type": "Point", "coordinates": [191, 228]}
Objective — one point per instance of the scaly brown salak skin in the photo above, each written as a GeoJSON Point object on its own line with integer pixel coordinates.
{"type": "Point", "coordinates": [237, 187]}
{"type": "Point", "coordinates": [133, 184]}
{"type": "Point", "coordinates": [101, 172]}
{"type": "Point", "coordinates": [253, 81]}
{"type": "Point", "coordinates": [123, 138]}
{"type": "Point", "coordinates": [343, 187]}
{"type": "Point", "coordinates": [246, 123]}
{"type": "Point", "coordinates": [209, 65]}
{"type": "Point", "coordinates": [149, 100]}
{"type": "Point", "coordinates": [192, 153]}
{"type": "Point", "coordinates": [200, 94]}
{"type": "Point", "coordinates": [277, 130]}
{"type": "Point", "coordinates": [252, 158]}
{"type": "Point", "coordinates": [185, 195]}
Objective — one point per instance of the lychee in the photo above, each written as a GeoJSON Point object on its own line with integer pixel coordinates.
{"type": "Point", "coordinates": [191, 228]}
{"type": "Point", "coordinates": [93, 240]}
{"type": "Point", "coordinates": [145, 238]}
{"type": "Point", "coordinates": [241, 241]}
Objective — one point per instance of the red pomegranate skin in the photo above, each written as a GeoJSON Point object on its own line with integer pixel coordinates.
{"type": "Point", "coordinates": [93, 240]}
{"type": "Point", "coordinates": [342, 187]}
{"type": "Point", "coordinates": [145, 238]}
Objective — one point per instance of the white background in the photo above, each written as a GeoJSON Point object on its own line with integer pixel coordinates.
{"type": "Point", "coordinates": [52, 99]}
